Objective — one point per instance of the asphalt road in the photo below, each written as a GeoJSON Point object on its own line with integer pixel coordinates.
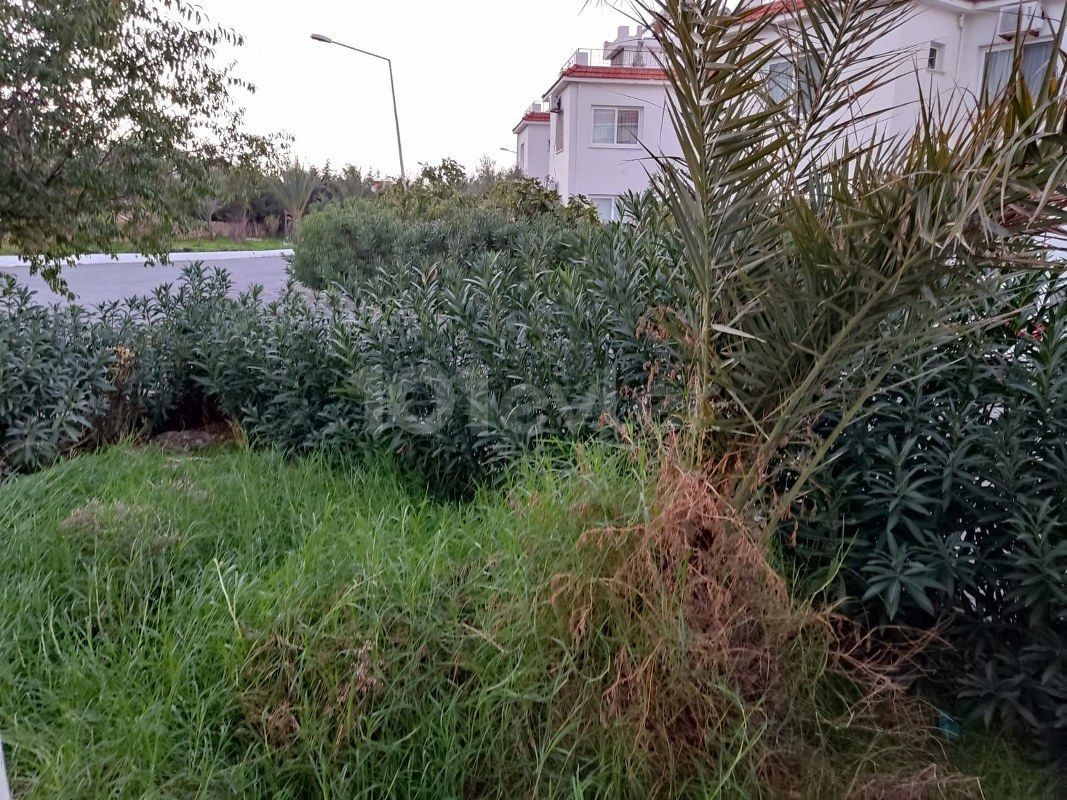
{"type": "Point", "coordinates": [94, 284]}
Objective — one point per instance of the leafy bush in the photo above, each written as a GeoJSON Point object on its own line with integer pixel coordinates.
{"type": "Point", "coordinates": [56, 376]}
{"type": "Point", "coordinates": [948, 502]}
{"type": "Point", "coordinates": [457, 365]}
{"type": "Point", "coordinates": [346, 244]}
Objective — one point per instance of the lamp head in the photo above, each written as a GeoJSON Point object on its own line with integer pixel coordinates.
{"type": "Point", "coordinates": [318, 37]}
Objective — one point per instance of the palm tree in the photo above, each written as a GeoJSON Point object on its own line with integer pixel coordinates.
{"type": "Point", "coordinates": [294, 188]}
{"type": "Point", "coordinates": [812, 258]}
{"type": "Point", "coordinates": [351, 184]}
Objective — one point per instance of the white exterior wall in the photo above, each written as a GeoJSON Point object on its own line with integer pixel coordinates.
{"type": "Point", "coordinates": [602, 170]}
{"type": "Point", "coordinates": [967, 31]}
{"type": "Point", "coordinates": [531, 152]}
{"type": "Point", "coordinates": [561, 147]}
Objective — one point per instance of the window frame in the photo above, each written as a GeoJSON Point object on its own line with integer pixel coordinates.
{"type": "Point", "coordinates": [636, 144]}
{"type": "Point", "coordinates": [939, 51]}
{"type": "Point", "coordinates": [559, 130]}
{"type": "Point", "coordinates": [802, 98]}
{"type": "Point", "coordinates": [616, 214]}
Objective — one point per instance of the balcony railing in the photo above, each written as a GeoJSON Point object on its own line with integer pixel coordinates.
{"type": "Point", "coordinates": [641, 57]}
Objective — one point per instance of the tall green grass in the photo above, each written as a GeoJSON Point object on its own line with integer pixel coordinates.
{"type": "Point", "coordinates": [240, 625]}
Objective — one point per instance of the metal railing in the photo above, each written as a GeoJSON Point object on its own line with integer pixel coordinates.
{"type": "Point", "coordinates": [642, 57]}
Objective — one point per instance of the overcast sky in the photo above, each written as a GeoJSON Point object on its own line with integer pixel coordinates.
{"type": "Point", "coordinates": [465, 71]}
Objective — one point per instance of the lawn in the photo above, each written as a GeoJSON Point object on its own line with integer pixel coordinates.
{"type": "Point", "coordinates": [234, 624]}
{"type": "Point", "coordinates": [226, 245]}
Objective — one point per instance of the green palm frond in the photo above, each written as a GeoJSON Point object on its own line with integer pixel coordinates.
{"type": "Point", "coordinates": [817, 247]}
{"type": "Point", "coordinates": [294, 187]}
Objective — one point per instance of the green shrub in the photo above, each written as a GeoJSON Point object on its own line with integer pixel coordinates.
{"type": "Point", "coordinates": [463, 363]}
{"type": "Point", "coordinates": [457, 365]}
{"type": "Point", "coordinates": [947, 501]}
{"type": "Point", "coordinates": [346, 244]}
{"type": "Point", "coordinates": [55, 379]}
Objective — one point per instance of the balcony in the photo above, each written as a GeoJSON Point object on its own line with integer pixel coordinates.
{"type": "Point", "coordinates": [643, 56]}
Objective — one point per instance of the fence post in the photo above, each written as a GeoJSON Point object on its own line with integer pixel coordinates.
{"type": "Point", "coordinates": [5, 792]}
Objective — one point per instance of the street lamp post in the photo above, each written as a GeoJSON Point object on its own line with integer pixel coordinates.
{"type": "Point", "coordinates": [318, 37]}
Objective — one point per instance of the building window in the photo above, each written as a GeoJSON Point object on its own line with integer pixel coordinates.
{"type": "Point", "coordinates": [783, 77]}
{"type": "Point", "coordinates": [607, 207]}
{"type": "Point", "coordinates": [616, 126]}
{"type": "Point", "coordinates": [559, 130]}
{"type": "Point", "coordinates": [935, 57]}
{"type": "Point", "coordinates": [780, 81]}
{"type": "Point", "coordinates": [1033, 62]}
{"type": "Point", "coordinates": [522, 155]}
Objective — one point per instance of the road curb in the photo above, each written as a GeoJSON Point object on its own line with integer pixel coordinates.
{"type": "Point", "coordinates": [175, 258]}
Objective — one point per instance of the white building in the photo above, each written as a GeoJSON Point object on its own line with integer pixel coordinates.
{"type": "Point", "coordinates": [607, 110]}
{"type": "Point", "coordinates": [533, 144]}
{"type": "Point", "coordinates": [954, 53]}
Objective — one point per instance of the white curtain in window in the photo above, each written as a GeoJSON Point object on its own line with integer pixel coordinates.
{"type": "Point", "coordinates": [997, 73]}
{"type": "Point", "coordinates": [605, 207]}
{"type": "Point", "coordinates": [1035, 61]}
{"type": "Point", "coordinates": [629, 119]}
{"type": "Point", "coordinates": [810, 75]}
{"type": "Point", "coordinates": [999, 63]}
{"type": "Point", "coordinates": [603, 126]}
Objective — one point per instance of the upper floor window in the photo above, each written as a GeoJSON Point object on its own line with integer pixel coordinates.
{"type": "Point", "coordinates": [616, 125]}
{"type": "Point", "coordinates": [559, 130]}
{"type": "Point", "coordinates": [522, 155]}
{"type": "Point", "coordinates": [781, 79]}
{"type": "Point", "coordinates": [1033, 61]}
{"type": "Point", "coordinates": [935, 57]}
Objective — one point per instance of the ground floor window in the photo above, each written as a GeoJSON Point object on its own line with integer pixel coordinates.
{"type": "Point", "coordinates": [607, 206]}
{"type": "Point", "coordinates": [1033, 62]}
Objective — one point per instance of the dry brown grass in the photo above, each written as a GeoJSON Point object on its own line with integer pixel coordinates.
{"type": "Point", "coordinates": [722, 671]}
{"type": "Point", "coordinates": [285, 673]}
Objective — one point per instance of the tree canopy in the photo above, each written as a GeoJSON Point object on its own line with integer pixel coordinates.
{"type": "Point", "coordinates": [112, 115]}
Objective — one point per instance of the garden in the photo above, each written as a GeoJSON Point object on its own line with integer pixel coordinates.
{"type": "Point", "coordinates": [756, 493]}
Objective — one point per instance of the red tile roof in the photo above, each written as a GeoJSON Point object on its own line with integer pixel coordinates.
{"type": "Point", "coordinates": [530, 117]}
{"type": "Point", "coordinates": [774, 8]}
{"type": "Point", "coordinates": [615, 73]}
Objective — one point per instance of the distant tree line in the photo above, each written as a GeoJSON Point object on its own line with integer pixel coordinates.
{"type": "Point", "coordinates": [247, 202]}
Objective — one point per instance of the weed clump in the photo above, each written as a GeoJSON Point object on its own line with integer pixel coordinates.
{"type": "Point", "coordinates": [718, 673]}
